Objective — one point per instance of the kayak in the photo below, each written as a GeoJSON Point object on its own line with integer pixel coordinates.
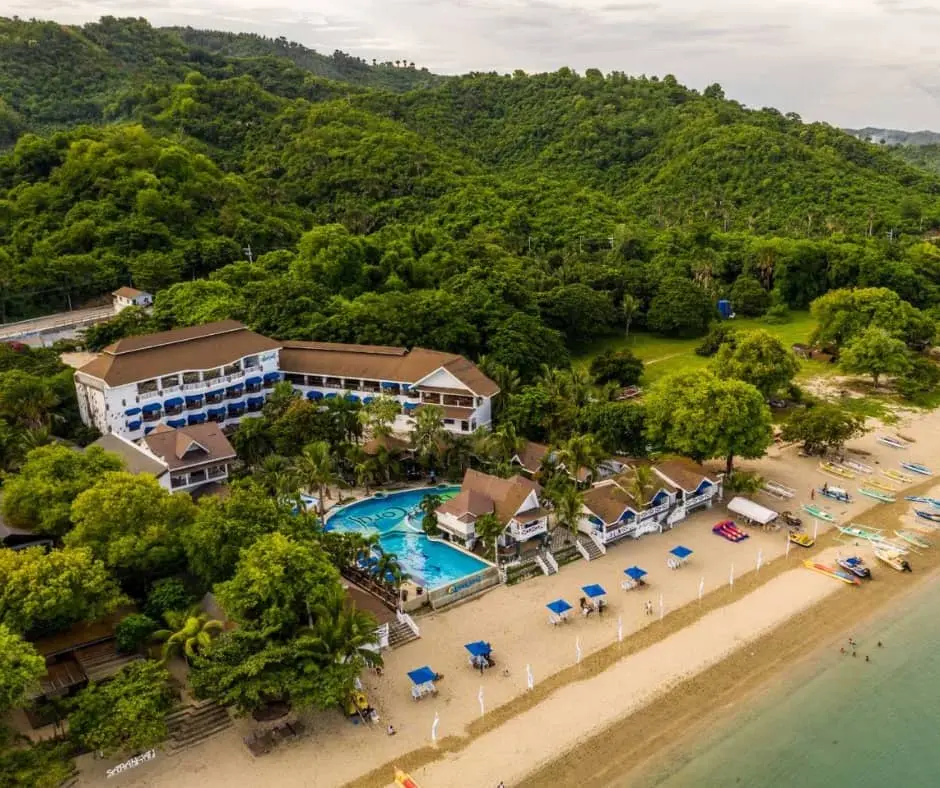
{"type": "Point", "coordinates": [831, 571]}
{"type": "Point", "coordinates": [820, 514]}
{"type": "Point", "coordinates": [916, 467]}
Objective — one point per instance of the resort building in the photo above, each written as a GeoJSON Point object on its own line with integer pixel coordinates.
{"type": "Point", "coordinates": [129, 296]}
{"type": "Point", "coordinates": [532, 455]}
{"type": "Point", "coordinates": [514, 501]}
{"type": "Point", "coordinates": [181, 460]}
{"type": "Point", "coordinates": [216, 372]}
{"type": "Point", "coordinates": [611, 510]}
{"type": "Point", "coordinates": [414, 378]}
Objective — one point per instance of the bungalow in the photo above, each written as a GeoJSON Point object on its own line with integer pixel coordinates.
{"type": "Point", "coordinates": [130, 296]}
{"type": "Point", "coordinates": [514, 501]}
{"type": "Point", "coordinates": [697, 487]}
{"type": "Point", "coordinates": [531, 455]}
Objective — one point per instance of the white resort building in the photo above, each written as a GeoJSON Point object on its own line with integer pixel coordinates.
{"type": "Point", "coordinates": [221, 372]}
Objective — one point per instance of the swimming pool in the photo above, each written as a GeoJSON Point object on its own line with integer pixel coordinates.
{"type": "Point", "coordinates": [429, 562]}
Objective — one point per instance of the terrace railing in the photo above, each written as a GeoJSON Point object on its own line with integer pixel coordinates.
{"type": "Point", "coordinates": [695, 500]}
{"type": "Point", "coordinates": [404, 618]}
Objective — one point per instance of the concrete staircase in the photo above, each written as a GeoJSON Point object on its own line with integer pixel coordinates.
{"type": "Point", "coordinates": [191, 724]}
{"type": "Point", "coordinates": [545, 564]}
{"type": "Point", "coordinates": [591, 550]}
{"type": "Point", "coordinates": [399, 633]}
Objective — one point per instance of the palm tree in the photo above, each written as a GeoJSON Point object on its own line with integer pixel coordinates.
{"type": "Point", "coordinates": [628, 309]}
{"type": "Point", "coordinates": [428, 508]}
{"type": "Point", "coordinates": [278, 476]}
{"type": "Point", "coordinates": [580, 451]}
{"type": "Point", "coordinates": [569, 503]}
{"type": "Point", "coordinates": [508, 442]}
{"type": "Point", "coordinates": [428, 433]}
{"type": "Point", "coordinates": [365, 473]}
{"type": "Point", "coordinates": [458, 452]}
{"type": "Point", "coordinates": [339, 633]}
{"type": "Point", "coordinates": [252, 441]}
{"type": "Point", "coordinates": [387, 567]}
{"type": "Point", "coordinates": [488, 529]}
{"type": "Point", "coordinates": [316, 469]}
{"type": "Point", "coordinates": [189, 634]}
{"type": "Point", "coordinates": [642, 481]}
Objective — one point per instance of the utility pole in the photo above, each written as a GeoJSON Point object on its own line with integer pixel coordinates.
{"type": "Point", "coordinates": [579, 243]}
{"type": "Point", "coordinates": [247, 251]}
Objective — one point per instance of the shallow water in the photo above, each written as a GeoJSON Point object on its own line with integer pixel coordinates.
{"type": "Point", "coordinates": [839, 721]}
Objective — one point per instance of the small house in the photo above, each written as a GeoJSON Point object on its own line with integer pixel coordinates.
{"type": "Point", "coordinates": [130, 296]}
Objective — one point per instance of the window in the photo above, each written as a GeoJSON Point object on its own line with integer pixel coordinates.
{"type": "Point", "coordinates": [298, 380]}
{"type": "Point", "coordinates": [147, 386]}
{"type": "Point", "coordinates": [251, 362]}
{"type": "Point", "coordinates": [211, 374]}
{"type": "Point", "coordinates": [449, 421]}
{"type": "Point", "coordinates": [463, 426]}
{"type": "Point", "coordinates": [232, 369]}
{"type": "Point", "coordinates": [170, 380]}
{"type": "Point", "coordinates": [190, 377]}
{"type": "Point", "coordinates": [314, 380]}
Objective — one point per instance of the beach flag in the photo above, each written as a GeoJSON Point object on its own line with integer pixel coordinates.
{"type": "Point", "coordinates": [577, 650]}
{"type": "Point", "coordinates": [437, 721]}
{"type": "Point", "coordinates": [620, 629]}
{"type": "Point", "coordinates": [815, 528]}
{"type": "Point", "coordinates": [662, 609]}
{"type": "Point", "coordinates": [701, 588]}
{"type": "Point", "coordinates": [760, 559]}
{"type": "Point", "coordinates": [788, 545]}
{"type": "Point", "coordinates": [731, 577]}
{"type": "Point", "coordinates": [480, 698]}
{"type": "Point", "coordinates": [529, 678]}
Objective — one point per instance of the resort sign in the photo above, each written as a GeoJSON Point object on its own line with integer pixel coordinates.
{"type": "Point", "coordinates": [132, 763]}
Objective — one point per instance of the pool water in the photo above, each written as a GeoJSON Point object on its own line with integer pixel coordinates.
{"type": "Point", "coordinates": [396, 518]}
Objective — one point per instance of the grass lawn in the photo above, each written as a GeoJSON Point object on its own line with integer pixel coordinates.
{"type": "Point", "coordinates": [664, 356]}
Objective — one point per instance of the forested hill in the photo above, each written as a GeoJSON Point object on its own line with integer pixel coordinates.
{"type": "Point", "coordinates": [480, 214]}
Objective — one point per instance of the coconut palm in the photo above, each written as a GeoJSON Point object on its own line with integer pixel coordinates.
{"type": "Point", "coordinates": [316, 470]}
{"type": "Point", "coordinates": [428, 433]}
{"type": "Point", "coordinates": [388, 571]}
{"type": "Point", "coordinates": [488, 529]}
{"type": "Point", "coordinates": [628, 308]}
{"type": "Point", "coordinates": [366, 473]}
{"type": "Point", "coordinates": [339, 633]}
{"type": "Point", "coordinates": [508, 442]}
{"type": "Point", "coordinates": [580, 451]}
{"type": "Point", "coordinates": [428, 508]}
{"type": "Point", "coordinates": [189, 633]}
{"type": "Point", "coordinates": [569, 503]}
{"type": "Point", "coordinates": [252, 441]}
{"type": "Point", "coordinates": [641, 484]}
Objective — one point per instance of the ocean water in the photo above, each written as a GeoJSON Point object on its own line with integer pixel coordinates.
{"type": "Point", "coordinates": [838, 722]}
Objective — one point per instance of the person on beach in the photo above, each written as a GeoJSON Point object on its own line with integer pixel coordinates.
{"type": "Point", "coordinates": [867, 659]}
{"type": "Point", "coordinates": [812, 494]}
{"type": "Point", "coordinates": [390, 730]}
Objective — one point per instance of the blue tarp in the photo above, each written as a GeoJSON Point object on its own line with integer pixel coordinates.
{"type": "Point", "coordinates": [176, 422]}
{"type": "Point", "coordinates": [173, 402]}
{"type": "Point", "coordinates": [681, 552]}
{"type": "Point", "coordinates": [194, 399]}
{"type": "Point", "coordinates": [132, 411]}
{"type": "Point", "coordinates": [422, 675]}
{"type": "Point", "coordinates": [314, 395]}
{"type": "Point", "coordinates": [133, 425]}
{"type": "Point", "coordinates": [594, 590]}
{"type": "Point", "coordinates": [252, 381]}
{"type": "Point", "coordinates": [479, 648]}
{"type": "Point", "coordinates": [635, 573]}
{"type": "Point", "coordinates": [268, 376]}
{"type": "Point", "coordinates": [152, 407]}
{"type": "Point", "coordinates": [196, 418]}
{"type": "Point", "coordinates": [558, 607]}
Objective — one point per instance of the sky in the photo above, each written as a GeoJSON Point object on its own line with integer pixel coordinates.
{"type": "Point", "coordinates": [852, 63]}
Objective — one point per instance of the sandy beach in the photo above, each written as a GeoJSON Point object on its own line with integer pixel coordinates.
{"type": "Point", "coordinates": [577, 720]}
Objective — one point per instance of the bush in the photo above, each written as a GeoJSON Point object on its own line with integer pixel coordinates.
{"type": "Point", "coordinates": [719, 334]}
{"type": "Point", "coordinates": [133, 631]}
{"type": "Point", "coordinates": [923, 378]}
{"type": "Point", "coordinates": [748, 298]}
{"type": "Point", "coordinates": [169, 594]}
{"type": "Point", "coordinates": [777, 314]}
{"type": "Point", "coordinates": [621, 367]}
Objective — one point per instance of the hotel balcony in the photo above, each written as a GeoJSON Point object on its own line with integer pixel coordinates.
{"type": "Point", "coordinates": [523, 531]}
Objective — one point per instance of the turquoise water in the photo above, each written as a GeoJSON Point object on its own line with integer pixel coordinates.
{"type": "Point", "coordinates": [846, 722]}
{"type": "Point", "coordinates": [430, 563]}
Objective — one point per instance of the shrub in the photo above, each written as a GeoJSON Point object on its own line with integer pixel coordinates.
{"type": "Point", "coordinates": [777, 314]}
{"type": "Point", "coordinates": [167, 595]}
{"type": "Point", "coordinates": [133, 631]}
{"type": "Point", "coordinates": [719, 334]}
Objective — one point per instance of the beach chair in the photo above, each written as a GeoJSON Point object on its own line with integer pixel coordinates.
{"type": "Point", "coordinates": [422, 681]}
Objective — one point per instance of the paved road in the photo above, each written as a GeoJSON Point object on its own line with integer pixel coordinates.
{"type": "Point", "coordinates": [56, 322]}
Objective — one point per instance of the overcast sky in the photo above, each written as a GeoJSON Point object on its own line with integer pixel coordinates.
{"type": "Point", "coordinates": [849, 62]}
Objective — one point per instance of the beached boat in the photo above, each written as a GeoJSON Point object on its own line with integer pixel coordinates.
{"type": "Point", "coordinates": [931, 516]}
{"type": "Point", "coordinates": [855, 531]}
{"type": "Point", "coordinates": [802, 539]}
{"type": "Point", "coordinates": [836, 470]}
{"type": "Point", "coordinates": [404, 780]}
{"type": "Point", "coordinates": [916, 467]}
{"type": "Point", "coordinates": [879, 484]}
{"type": "Point", "coordinates": [778, 490]}
{"type": "Point", "coordinates": [915, 539]}
{"type": "Point", "coordinates": [921, 499]}
{"type": "Point", "coordinates": [836, 493]}
{"type": "Point", "coordinates": [855, 565]}
{"type": "Point", "coordinates": [898, 476]}
{"type": "Point", "coordinates": [859, 467]}
{"type": "Point", "coordinates": [833, 572]}
{"type": "Point", "coordinates": [820, 514]}
{"type": "Point", "coordinates": [894, 443]}
{"type": "Point", "coordinates": [878, 495]}
{"type": "Point", "coordinates": [893, 558]}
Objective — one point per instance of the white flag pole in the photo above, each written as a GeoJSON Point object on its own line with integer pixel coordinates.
{"type": "Point", "coordinates": [815, 528]}
{"type": "Point", "coordinates": [662, 609]}
{"type": "Point", "coordinates": [701, 588]}
{"type": "Point", "coordinates": [480, 698]}
{"type": "Point", "coordinates": [760, 559]}
{"type": "Point", "coordinates": [788, 544]}
{"type": "Point", "coordinates": [620, 629]}
{"type": "Point", "coordinates": [530, 679]}
{"type": "Point", "coordinates": [731, 577]}
{"type": "Point", "coordinates": [577, 650]}
{"type": "Point", "coordinates": [437, 721]}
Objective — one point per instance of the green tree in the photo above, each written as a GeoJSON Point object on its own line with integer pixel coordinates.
{"type": "Point", "coordinates": [823, 427]}
{"type": "Point", "coordinates": [189, 634]}
{"type": "Point", "coordinates": [316, 470]}
{"type": "Point", "coordinates": [522, 344]}
{"type": "Point", "coordinates": [841, 315]}
{"type": "Point", "coordinates": [680, 309]}
{"type": "Point", "coordinates": [616, 366]}
{"type": "Point", "coordinates": [40, 496]}
{"type": "Point", "coordinates": [748, 296]}
{"type": "Point", "coordinates": [253, 441]}
{"type": "Point", "coordinates": [133, 631]}
{"type": "Point", "coordinates": [26, 399]}
{"type": "Point", "coordinates": [132, 524]}
{"type": "Point", "coordinates": [428, 434]}
{"type": "Point", "coordinates": [378, 416]}
{"type": "Point", "coordinates": [569, 503]}
{"type": "Point", "coordinates": [126, 714]}
{"type": "Point", "coordinates": [20, 669]}
{"type": "Point", "coordinates": [875, 352]}
{"type": "Point", "coordinates": [43, 765]}
{"type": "Point", "coordinates": [701, 416]}
{"type": "Point", "coordinates": [618, 427]}
{"type": "Point", "coordinates": [758, 358]}
{"type": "Point", "coordinates": [580, 452]}
{"type": "Point", "coordinates": [44, 592]}
{"type": "Point", "coordinates": [488, 529]}
{"type": "Point", "coordinates": [429, 504]}
{"type": "Point", "coordinates": [629, 307]}
{"type": "Point", "coordinates": [577, 312]}
{"type": "Point", "coordinates": [166, 595]}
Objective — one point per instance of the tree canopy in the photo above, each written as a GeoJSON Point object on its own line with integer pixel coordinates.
{"type": "Point", "coordinates": [758, 358]}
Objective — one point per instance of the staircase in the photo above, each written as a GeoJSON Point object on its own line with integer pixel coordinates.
{"type": "Point", "coordinates": [399, 633]}
{"type": "Point", "coordinates": [546, 564]}
{"type": "Point", "coordinates": [590, 549]}
{"type": "Point", "coordinates": [192, 724]}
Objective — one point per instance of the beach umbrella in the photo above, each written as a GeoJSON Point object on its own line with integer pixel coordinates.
{"type": "Point", "coordinates": [529, 678]}
{"type": "Point", "coordinates": [577, 650]}
{"type": "Point", "coordinates": [480, 698]}
{"type": "Point", "coordinates": [662, 609]}
{"type": "Point", "coordinates": [701, 588]}
{"type": "Point", "coordinates": [760, 559]}
{"type": "Point", "coordinates": [437, 721]}
{"type": "Point", "coordinates": [620, 629]}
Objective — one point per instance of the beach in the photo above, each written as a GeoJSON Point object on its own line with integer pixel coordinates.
{"type": "Point", "coordinates": [624, 702]}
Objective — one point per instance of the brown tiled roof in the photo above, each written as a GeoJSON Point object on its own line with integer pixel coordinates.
{"type": "Point", "coordinates": [389, 442]}
{"type": "Point", "coordinates": [531, 455]}
{"type": "Point", "coordinates": [684, 473]}
{"type": "Point", "coordinates": [128, 292]}
{"type": "Point", "coordinates": [198, 347]}
{"type": "Point", "coordinates": [503, 496]}
{"type": "Point", "coordinates": [608, 501]}
{"type": "Point", "coordinates": [450, 411]}
{"type": "Point", "coordinates": [171, 445]}
{"type": "Point", "coordinates": [135, 459]}
{"type": "Point", "coordinates": [378, 362]}
{"type": "Point", "coordinates": [467, 502]}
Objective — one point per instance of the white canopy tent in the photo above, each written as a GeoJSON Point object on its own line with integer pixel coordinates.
{"type": "Point", "coordinates": [751, 511]}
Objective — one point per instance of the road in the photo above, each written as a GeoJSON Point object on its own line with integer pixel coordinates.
{"type": "Point", "coordinates": [26, 330]}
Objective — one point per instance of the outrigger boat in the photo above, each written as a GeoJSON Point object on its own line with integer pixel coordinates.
{"type": "Point", "coordinates": [872, 535]}
{"type": "Point", "coordinates": [914, 539]}
{"type": "Point", "coordinates": [831, 571]}
{"type": "Point", "coordinates": [855, 565]}
{"type": "Point", "coordinates": [880, 485]}
{"type": "Point", "coordinates": [860, 467]}
{"type": "Point", "coordinates": [835, 470]}
{"type": "Point", "coordinates": [836, 493]}
{"type": "Point", "coordinates": [920, 499]}
{"type": "Point", "coordinates": [931, 516]}
{"type": "Point", "coordinates": [916, 467]}
{"type": "Point", "coordinates": [801, 538]}
{"type": "Point", "coordinates": [894, 443]}
{"type": "Point", "coordinates": [898, 476]}
{"type": "Point", "coordinates": [820, 514]}
{"type": "Point", "coordinates": [893, 558]}
{"type": "Point", "coordinates": [878, 495]}
{"type": "Point", "coordinates": [778, 490]}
